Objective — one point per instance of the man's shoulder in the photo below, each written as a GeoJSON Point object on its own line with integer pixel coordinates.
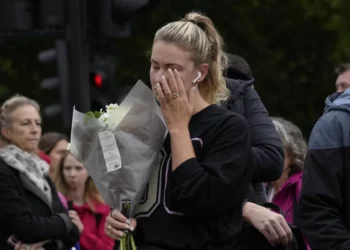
{"type": "Point", "coordinates": [331, 130]}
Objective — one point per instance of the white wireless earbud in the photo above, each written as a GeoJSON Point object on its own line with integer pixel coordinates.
{"type": "Point", "coordinates": [197, 78]}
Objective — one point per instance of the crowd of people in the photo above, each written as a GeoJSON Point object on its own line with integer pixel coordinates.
{"type": "Point", "coordinates": [231, 177]}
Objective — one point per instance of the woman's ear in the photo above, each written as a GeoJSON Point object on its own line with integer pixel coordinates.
{"type": "Point", "coordinates": [5, 132]}
{"type": "Point", "coordinates": [203, 69]}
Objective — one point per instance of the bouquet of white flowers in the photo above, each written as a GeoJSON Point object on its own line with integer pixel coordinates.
{"type": "Point", "coordinates": [120, 147]}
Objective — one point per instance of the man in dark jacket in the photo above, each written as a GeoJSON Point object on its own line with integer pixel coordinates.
{"type": "Point", "coordinates": [265, 141]}
{"type": "Point", "coordinates": [267, 151]}
{"type": "Point", "coordinates": [325, 196]}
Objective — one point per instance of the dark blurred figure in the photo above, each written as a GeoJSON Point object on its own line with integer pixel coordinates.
{"type": "Point", "coordinates": [325, 196]}
{"type": "Point", "coordinates": [268, 160]}
{"type": "Point", "coordinates": [238, 68]}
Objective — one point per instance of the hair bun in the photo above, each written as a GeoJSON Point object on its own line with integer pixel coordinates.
{"type": "Point", "coordinates": [201, 25]}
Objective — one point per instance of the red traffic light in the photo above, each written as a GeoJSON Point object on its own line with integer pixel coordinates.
{"type": "Point", "coordinates": [98, 80]}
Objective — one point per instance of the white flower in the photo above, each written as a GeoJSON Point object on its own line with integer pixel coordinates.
{"type": "Point", "coordinates": [109, 117]}
{"type": "Point", "coordinates": [103, 117]}
{"type": "Point", "coordinates": [72, 150]}
{"type": "Point", "coordinates": [111, 107]}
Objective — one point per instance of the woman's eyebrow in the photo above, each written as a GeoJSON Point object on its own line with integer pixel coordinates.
{"type": "Point", "coordinates": [168, 64]}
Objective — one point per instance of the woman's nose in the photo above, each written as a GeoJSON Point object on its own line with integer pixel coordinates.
{"type": "Point", "coordinates": [35, 128]}
{"type": "Point", "coordinates": [72, 173]}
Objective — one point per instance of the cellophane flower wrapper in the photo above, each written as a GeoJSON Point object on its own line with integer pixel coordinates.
{"type": "Point", "coordinates": [121, 174]}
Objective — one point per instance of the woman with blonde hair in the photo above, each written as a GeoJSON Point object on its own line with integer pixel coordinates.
{"type": "Point", "coordinates": [76, 185]}
{"type": "Point", "coordinates": [30, 210]}
{"type": "Point", "coordinates": [194, 199]}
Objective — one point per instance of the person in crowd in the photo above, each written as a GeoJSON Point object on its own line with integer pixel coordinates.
{"type": "Point", "coordinates": [238, 68]}
{"type": "Point", "coordinates": [30, 210]}
{"type": "Point", "coordinates": [74, 182]}
{"type": "Point", "coordinates": [285, 192]}
{"type": "Point", "coordinates": [267, 152]}
{"type": "Point", "coordinates": [55, 146]}
{"type": "Point", "coordinates": [44, 157]}
{"type": "Point", "coordinates": [265, 141]}
{"type": "Point", "coordinates": [325, 196]}
{"type": "Point", "coordinates": [196, 201]}
{"type": "Point", "coordinates": [343, 79]}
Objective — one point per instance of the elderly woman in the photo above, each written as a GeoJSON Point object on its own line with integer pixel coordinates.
{"type": "Point", "coordinates": [285, 191]}
{"type": "Point", "coordinates": [30, 210]}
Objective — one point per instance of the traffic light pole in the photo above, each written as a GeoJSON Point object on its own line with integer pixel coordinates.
{"type": "Point", "coordinates": [79, 51]}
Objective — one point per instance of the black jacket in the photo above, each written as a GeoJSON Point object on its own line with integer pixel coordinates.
{"type": "Point", "coordinates": [266, 144]}
{"type": "Point", "coordinates": [27, 216]}
{"type": "Point", "coordinates": [325, 196]}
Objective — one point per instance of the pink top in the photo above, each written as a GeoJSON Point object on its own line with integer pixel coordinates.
{"type": "Point", "coordinates": [63, 200]}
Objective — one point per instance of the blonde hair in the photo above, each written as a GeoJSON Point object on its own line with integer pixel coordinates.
{"type": "Point", "coordinates": [9, 106]}
{"type": "Point", "coordinates": [91, 194]}
{"type": "Point", "coordinates": [197, 34]}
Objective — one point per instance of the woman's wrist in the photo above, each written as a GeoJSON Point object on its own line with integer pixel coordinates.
{"type": "Point", "coordinates": [179, 131]}
{"type": "Point", "coordinates": [248, 210]}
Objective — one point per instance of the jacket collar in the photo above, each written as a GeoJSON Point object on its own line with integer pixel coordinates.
{"type": "Point", "coordinates": [292, 180]}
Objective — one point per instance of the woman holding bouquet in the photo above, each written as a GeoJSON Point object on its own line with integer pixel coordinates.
{"type": "Point", "coordinates": [31, 213]}
{"type": "Point", "coordinates": [198, 190]}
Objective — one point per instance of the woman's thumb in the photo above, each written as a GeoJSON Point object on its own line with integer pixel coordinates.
{"type": "Point", "coordinates": [133, 224]}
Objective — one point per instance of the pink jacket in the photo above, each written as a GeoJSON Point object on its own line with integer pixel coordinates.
{"type": "Point", "coordinates": [289, 193]}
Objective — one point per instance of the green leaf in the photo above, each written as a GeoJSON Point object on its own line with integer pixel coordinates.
{"type": "Point", "coordinates": [88, 116]}
{"type": "Point", "coordinates": [98, 114]}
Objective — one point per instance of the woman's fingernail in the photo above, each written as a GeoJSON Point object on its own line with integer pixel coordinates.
{"type": "Point", "coordinates": [158, 84]}
{"type": "Point", "coordinates": [127, 222]}
{"type": "Point", "coordinates": [131, 229]}
{"type": "Point", "coordinates": [121, 234]}
{"type": "Point", "coordinates": [163, 76]}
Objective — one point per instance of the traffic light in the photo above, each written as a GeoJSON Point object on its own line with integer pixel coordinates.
{"type": "Point", "coordinates": [32, 15]}
{"type": "Point", "coordinates": [101, 83]}
{"type": "Point", "coordinates": [59, 84]}
{"type": "Point", "coordinates": [114, 16]}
